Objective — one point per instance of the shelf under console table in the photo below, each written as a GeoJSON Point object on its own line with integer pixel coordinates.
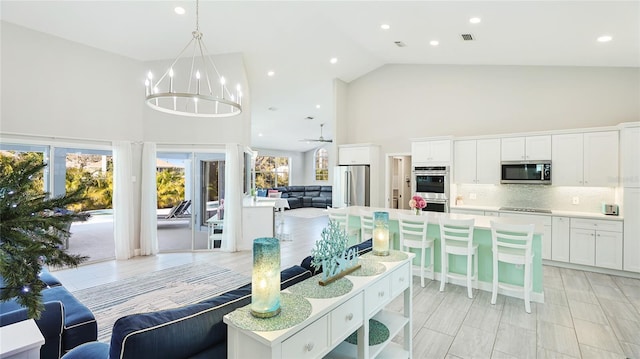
{"type": "Point", "coordinates": [332, 320]}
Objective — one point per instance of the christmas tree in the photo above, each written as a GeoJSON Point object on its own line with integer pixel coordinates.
{"type": "Point", "coordinates": [33, 228]}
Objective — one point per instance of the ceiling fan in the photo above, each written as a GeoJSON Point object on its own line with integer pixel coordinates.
{"type": "Point", "coordinates": [319, 139]}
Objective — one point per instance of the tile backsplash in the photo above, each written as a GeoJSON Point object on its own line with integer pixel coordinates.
{"type": "Point", "coordinates": [536, 196]}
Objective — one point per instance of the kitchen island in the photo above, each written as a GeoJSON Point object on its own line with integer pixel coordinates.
{"type": "Point", "coordinates": [481, 236]}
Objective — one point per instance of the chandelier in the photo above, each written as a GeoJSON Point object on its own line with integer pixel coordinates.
{"type": "Point", "coordinates": [197, 96]}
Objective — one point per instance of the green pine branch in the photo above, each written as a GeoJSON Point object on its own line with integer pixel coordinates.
{"type": "Point", "coordinates": [33, 228]}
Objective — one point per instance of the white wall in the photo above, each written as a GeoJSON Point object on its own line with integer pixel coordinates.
{"type": "Point", "coordinates": [55, 87]}
{"type": "Point", "coordinates": [395, 103]}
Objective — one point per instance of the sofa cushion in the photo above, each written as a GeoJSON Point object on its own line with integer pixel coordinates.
{"type": "Point", "coordinates": [325, 189]}
{"type": "Point", "coordinates": [312, 194]}
{"type": "Point", "coordinates": [312, 188]}
{"type": "Point", "coordinates": [293, 275]}
{"type": "Point", "coordinates": [93, 350]}
{"type": "Point", "coordinates": [79, 323]}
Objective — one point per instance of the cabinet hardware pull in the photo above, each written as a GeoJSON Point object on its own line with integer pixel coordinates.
{"type": "Point", "coordinates": [401, 279]}
{"type": "Point", "coordinates": [308, 347]}
{"type": "Point", "coordinates": [381, 294]}
{"type": "Point", "coordinates": [349, 316]}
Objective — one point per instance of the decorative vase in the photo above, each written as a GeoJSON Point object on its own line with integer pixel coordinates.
{"type": "Point", "coordinates": [265, 279]}
{"type": "Point", "coordinates": [418, 211]}
{"type": "Point", "coordinates": [381, 233]}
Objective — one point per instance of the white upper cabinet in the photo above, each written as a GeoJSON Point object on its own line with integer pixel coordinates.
{"type": "Point", "coordinates": [437, 152]}
{"type": "Point", "coordinates": [530, 148]}
{"type": "Point", "coordinates": [567, 160]}
{"type": "Point", "coordinates": [589, 159]}
{"type": "Point", "coordinates": [357, 155]}
{"type": "Point", "coordinates": [601, 159]}
{"type": "Point", "coordinates": [477, 161]}
{"type": "Point", "coordinates": [630, 156]}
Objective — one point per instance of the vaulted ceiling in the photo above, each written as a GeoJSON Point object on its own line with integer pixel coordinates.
{"type": "Point", "coordinates": [297, 39]}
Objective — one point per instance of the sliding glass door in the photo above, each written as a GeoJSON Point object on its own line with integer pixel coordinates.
{"type": "Point", "coordinates": [190, 190]}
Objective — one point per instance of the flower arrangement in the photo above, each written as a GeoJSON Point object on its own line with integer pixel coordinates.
{"type": "Point", "coordinates": [417, 203]}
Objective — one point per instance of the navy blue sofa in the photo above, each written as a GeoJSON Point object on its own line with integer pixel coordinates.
{"type": "Point", "coordinates": [65, 322]}
{"type": "Point", "coordinates": [192, 331]}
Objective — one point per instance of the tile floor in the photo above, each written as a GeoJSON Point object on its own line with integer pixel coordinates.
{"type": "Point", "coordinates": [585, 314]}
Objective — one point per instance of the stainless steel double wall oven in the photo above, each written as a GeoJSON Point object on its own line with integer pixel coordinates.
{"type": "Point", "coordinates": [432, 183]}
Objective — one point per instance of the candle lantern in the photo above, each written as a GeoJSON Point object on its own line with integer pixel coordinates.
{"type": "Point", "coordinates": [265, 279]}
{"type": "Point", "coordinates": [381, 233]}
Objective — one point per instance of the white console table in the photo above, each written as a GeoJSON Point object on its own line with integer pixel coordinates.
{"type": "Point", "coordinates": [21, 340]}
{"type": "Point", "coordinates": [332, 320]}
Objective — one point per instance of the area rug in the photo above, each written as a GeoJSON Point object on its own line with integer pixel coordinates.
{"type": "Point", "coordinates": [307, 212]}
{"type": "Point", "coordinates": [164, 289]}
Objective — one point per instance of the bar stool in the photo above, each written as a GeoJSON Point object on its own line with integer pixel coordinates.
{"type": "Point", "coordinates": [511, 243]}
{"type": "Point", "coordinates": [366, 225]}
{"type": "Point", "coordinates": [456, 238]}
{"type": "Point", "coordinates": [413, 234]}
{"type": "Point", "coordinates": [341, 216]}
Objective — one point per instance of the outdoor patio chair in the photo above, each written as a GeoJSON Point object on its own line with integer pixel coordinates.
{"type": "Point", "coordinates": [180, 210]}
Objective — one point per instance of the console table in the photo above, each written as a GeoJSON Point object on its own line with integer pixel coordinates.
{"type": "Point", "coordinates": [332, 320]}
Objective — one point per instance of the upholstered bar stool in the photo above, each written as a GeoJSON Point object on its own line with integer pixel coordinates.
{"type": "Point", "coordinates": [511, 243]}
{"type": "Point", "coordinates": [366, 224]}
{"type": "Point", "coordinates": [413, 234]}
{"type": "Point", "coordinates": [456, 238]}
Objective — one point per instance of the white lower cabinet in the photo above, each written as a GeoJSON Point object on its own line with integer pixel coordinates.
{"type": "Point", "coordinates": [561, 232]}
{"type": "Point", "coordinates": [596, 243]}
{"type": "Point", "coordinates": [583, 246]}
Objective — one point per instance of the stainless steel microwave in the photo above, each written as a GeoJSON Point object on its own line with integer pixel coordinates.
{"type": "Point", "coordinates": [526, 172]}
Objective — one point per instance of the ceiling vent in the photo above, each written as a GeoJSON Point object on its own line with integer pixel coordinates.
{"type": "Point", "coordinates": [400, 43]}
{"type": "Point", "coordinates": [467, 37]}
{"type": "Point", "coordinates": [309, 118]}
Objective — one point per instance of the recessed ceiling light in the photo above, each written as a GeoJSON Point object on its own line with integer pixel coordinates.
{"type": "Point", "coordinates": [273, 108]}
{"type": "Point", "coordinates": [385, 26]}
{"type": "Point", "coordinates": [605, 38]}
{"type": "Point", "coordinates": [317, 106]}
{"type": "Point", "coordinates": [260, 135]}
{"type": "Point", "coordinates": [434, 42]}
{"type": "Point", "coordinates": [334, 60]}
{"type": "Point", "coordinates": [475, 20]}
{"type": "Point", "coordinates": [179, 10]}
{"type": "Point", "coordinates": [271, 73]}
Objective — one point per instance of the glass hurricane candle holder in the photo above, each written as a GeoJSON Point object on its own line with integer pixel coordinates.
{"type": "Point", "coordinates": [265, 278]}
{"type": "Point", "coordinates": [381, 233]}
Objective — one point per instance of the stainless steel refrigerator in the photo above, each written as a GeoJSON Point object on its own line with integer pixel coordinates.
{"type": "Point", "coordinates": [352, 186]}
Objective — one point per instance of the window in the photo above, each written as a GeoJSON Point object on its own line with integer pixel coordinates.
{"type": "Point", "coordinates": [322, 164]}
{"type": "Point", "coordinates": [272, 171]}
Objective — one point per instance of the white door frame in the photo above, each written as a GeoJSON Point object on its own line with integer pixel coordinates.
{"type": "Point", "coordinates": [388, 164]}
